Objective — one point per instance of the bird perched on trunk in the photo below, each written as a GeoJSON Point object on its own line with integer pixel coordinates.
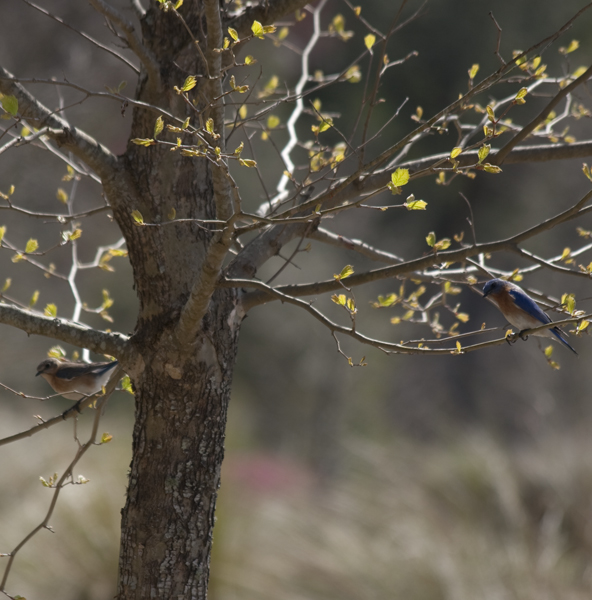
{"type": "Point", "coordinates": [73, 380]}
{"type": "Point", "coordinates": [521, 310]}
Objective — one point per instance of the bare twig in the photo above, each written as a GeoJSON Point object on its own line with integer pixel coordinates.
{"type": "Point", "coordinates": [81, 450]}
{"type": "Point", "coordinates": [135, 43]}
{"type": "Point", "coordinates": [84, 35]}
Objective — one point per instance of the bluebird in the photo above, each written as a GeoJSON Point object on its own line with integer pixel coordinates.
{"type": "Point", "coordinates": [74, 380]}
{"type": "Point", "coordinates": [520, 309]}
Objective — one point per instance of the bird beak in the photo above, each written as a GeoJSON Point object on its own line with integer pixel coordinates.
{"type": "Point", "coordinates": [38, 373]}
{"type": "Point", "coordinates": [485, 294]}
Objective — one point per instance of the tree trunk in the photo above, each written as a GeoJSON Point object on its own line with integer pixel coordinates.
{"type": "Point", "coordinates": [182, 389]}
{"type": "Point", "coordinates": [178, 448]}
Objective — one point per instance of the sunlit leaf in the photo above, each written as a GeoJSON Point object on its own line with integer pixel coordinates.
{"type": "Point", "coordinates": [257, 29]}
{"type": "Point", "coordinates": [143, 142]}
{"type": "Point", "coordinates": [345, 272]}
{"type": "Point", "coordinates": [62, 196]}
{"type": "Point", "coordinates": [34, 298]}
{"type": "Point", "coordinates": [247, 162]}
{"type": "Point", "coordinates": [400, 177]}
{"type": "Point", "coordinates": [483, 152]}
{"type": "Point", "coordinates": [189, 83]}
{"type": "Point", "coordinates": [158, 126]}
{"type": "Point", "coordinates": [369, 41]}
{"type": "Point", "coordinates": [106, 438]}
{"type": "Point", "coordinates": [137, 217]}
{"type": "Point", "coordinates": [10, 105]}
{"type": "Point", "coordinates": [31, 246]}
{"type": "Point", "coordinates": [51, 310]}
{"type": "Point", "coordinates": [473, 71]}
{"type": "Point", "coordinates": [455, 152]}
{"type": "Point", "coordinates": [56, 352]}
{"type": "Point", "coordinates": [413, 204]}
{"type": "Point", "coordinates": [491, 168]}
{"type": "Point", "coordinates": [431, 239]}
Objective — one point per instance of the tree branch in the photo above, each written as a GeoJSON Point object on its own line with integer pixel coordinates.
{"type": "Point", "coordinates": [63, 480]}
{"type": "Point", "coordinates": [265, 12]}
{"type": "Point", "coordinates": [268, 243]}
{"type": "Point", "coordinates": [418, 264]}
{"type": "Point", "coordinates": [500, 156]}
{"type": "Point", "coordinates": [225, 190]}
{"type": "Point", "coordinates": [83, 146]}
{"type": "Point", "coordinates": [84, 35]}
{"type": "Point", "coordinates": [101, 342]}
{"type": "Point", "coordinates": [146, 57]}
{"type": "Point", "coordinates": [327, 237]}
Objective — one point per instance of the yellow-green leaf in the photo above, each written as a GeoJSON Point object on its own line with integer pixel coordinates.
{"type": "Point", "coordinates": [143, 142]}
{"type": "Point", "coordinates": [158, 126]}
{"type": "Point", "coordinates": [210, 126]}
{"type": "Point", "coordinates": [246, 162]}
{"type": "Point", "coordinates": [189, 83]}
{"type": "Point", "coordinates": [345, 272]}
{"type": "Point", "coordinates": [51, 310]}
{"type": "Point", "coordinates": [6, 284]}
{"type": "Point", "coordinates": [31, 246]}
{"type": "Point", "coordinates": [455, 152]}
{"type": "Point", "coordinates": [491, 168]}
{"type": "Point", "coordinates": [233, 34]}
{"type": "Point", "coordinates": [2, 232]}
{"type": "Point", "coordinates": [56, 352]}
{"type": "Point", "coordinates": [62, 196]}
{"type": "Point", "coordinates": [273, 121]}
{"type": "Point", "coordinates": [106, 438]}
{"type": "Point", "coordinates": [574, 45]}
{"type": "Point", "coordinates": [521, 94]}
{"type": "Point", "coordinates": [257, 29]}
{"type": "Point", "coordinates": [34, 298]}
{"type": "Point", "coordinates": [340, 299]}
{"type": "Point", "coordinates": [473, 71]}
{"type": "Point", "coordinates": [569, 302]}
{"type": "Point", "coordinates": [369, 41]}
{"type": "Point", "coordinates": [10, 105]}
{"type": "Point", "coordinates": [413, 204]}
{"type": "Point", "coordinates": [137, 216]}
{"type": "Point", "coordinates": [431, 239]}
{"type": "Point", "coordinates": [400, 177]}
{"type": "Point", "coordinates": [484, 152]}
{"type": "Point", "coordinates": [490, 113]}
{"type": "Point", "coordinates": [126, 385]}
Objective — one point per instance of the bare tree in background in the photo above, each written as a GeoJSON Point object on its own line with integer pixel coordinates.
{"type": "Point", "coordinates": [196, 239]}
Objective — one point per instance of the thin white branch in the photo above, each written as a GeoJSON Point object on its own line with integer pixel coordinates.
{"type": "Point", "coordinates": [282, 191]}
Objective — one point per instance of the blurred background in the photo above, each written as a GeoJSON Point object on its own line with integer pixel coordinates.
{"type": "Point", "coordinates": [412, 477]}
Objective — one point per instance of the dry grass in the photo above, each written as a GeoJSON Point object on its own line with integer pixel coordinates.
{"type": "Point", "coordinates": [468, 520]}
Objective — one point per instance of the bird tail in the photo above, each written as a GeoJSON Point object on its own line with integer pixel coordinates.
{"type": "Point", "coordinates": [558, 334]}
{"type": "Point", "coordinates": [109, 366]}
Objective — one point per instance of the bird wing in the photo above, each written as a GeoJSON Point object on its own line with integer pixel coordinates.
{"type": "Point", "coordinates": [75, 371]}
{"type": "Point", "coordinates": [528, 305]}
